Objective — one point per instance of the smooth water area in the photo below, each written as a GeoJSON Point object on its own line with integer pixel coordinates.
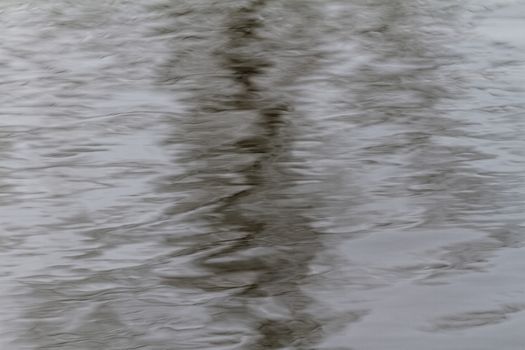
{"type": "Point", "coordinates": [299, 174]}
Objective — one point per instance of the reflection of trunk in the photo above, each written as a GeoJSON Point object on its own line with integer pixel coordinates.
{"type": "Point", "coordinates": [269, 244]}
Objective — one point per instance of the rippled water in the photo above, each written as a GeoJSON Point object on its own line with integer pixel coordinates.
{"type": "Point", "coordinates": [200, 174]}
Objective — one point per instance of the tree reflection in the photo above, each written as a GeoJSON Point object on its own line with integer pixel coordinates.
{"type": "Point", "coordinates": [238, 129]}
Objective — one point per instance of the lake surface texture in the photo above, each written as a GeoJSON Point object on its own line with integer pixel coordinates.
{"type": "Point", "coordinates": [264, 174]}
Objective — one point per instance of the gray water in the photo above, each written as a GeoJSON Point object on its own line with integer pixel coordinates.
{"type": "Point", "coordinates": [299, 174]}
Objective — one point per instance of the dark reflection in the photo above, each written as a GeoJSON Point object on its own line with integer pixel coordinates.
{"type": "Point", "coordinates": [260, 243]}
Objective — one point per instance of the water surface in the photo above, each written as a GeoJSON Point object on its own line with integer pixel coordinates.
{"type": "Point", "coordinates": [262, 175]}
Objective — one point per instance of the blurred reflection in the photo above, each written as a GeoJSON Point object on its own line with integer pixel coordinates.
{"type": "Point", "coordinates": [418, 79]}
{"type": "Point", "coordinates": [238, 136]}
